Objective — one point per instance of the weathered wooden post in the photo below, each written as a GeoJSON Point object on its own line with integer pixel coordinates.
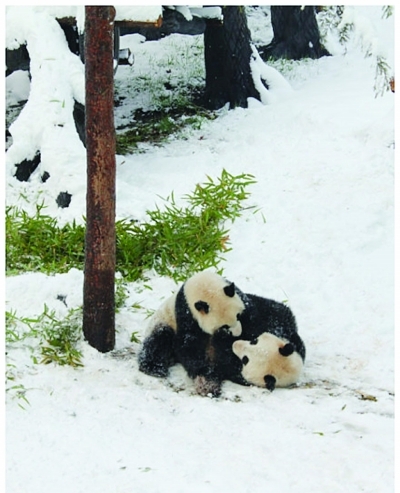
{"type": "Point", "coordinates": [99, 277]}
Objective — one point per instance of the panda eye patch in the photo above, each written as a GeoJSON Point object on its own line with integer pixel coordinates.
{"type": "Point", "coordinates": [253, 342]}
{"type": "Point", "coordinates": [245, 360]}
{"type": "Point", "coordinates": [202, 307]}
{"type": "Point", "coordinates": [287, 349]}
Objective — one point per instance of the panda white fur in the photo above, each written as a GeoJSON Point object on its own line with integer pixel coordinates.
{"type": "Point", "coordinates": [181, 329]}
{"type": "Point", "coordinates": [269, 361]}
{"type": "Point", "coordinates": [164, 316]}
{"type": "Point", "coordinates": [213, 302]}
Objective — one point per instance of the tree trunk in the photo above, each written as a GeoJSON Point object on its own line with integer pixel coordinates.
{"type": "Point", "coordinates": [296, 34]}
{"type": "Point", "coordinates": [98, 295]}
{"type": "Point", "coordinates": [227, 53]}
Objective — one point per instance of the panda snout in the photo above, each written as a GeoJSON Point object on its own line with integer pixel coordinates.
{"type": "Point", "coordinates": [236, 329]}
{"type": "Point", "coordinates": [270, 382]}
{"type": "Point", "coordinates": [238, 347]}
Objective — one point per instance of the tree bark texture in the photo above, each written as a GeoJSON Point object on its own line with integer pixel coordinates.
{"type": "Point", "coordinates": [296, 34]}
{"type": "Point", "coordinates": [227, 53]}
{"type": "Point", "coordinates": [99, 277]}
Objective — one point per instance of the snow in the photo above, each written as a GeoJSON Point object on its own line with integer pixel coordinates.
{"type": "Point", "coordinates": [149, 13]}
{"type": "Point", "coordinates": [322, 152]}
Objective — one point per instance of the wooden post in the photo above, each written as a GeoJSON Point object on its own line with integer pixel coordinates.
{"type": "Point", "coordinates": [99, 278]}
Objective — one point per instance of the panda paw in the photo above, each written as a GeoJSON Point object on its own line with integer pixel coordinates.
{"type": "Point", "coordinates": [154, 370]}
{"type": "Point", "coordinates": [205, 387]}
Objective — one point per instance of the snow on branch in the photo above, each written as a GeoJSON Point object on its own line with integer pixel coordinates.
{"type": "Point", "coordinates": [349, 24]}
{"type": "Point", "coordinates": [270, 84]}
{"type": "Point", "coordinates": [57, 81]}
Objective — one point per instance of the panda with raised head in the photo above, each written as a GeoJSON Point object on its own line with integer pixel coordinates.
{"type": "Point", "coordinates": [182, 329]}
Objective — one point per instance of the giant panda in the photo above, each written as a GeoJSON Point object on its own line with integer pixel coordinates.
{"type": "Point", "coordinates": [268, 361]}
{"type": "Point", "coordinates": [198, 326]}
{"type": "Point", "coordinates": [261, 315]}
{"type": "Point", "coordinates": [182, 328]}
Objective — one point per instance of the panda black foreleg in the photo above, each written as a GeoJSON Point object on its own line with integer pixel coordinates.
{"type": "Point", "coordinates": [157, 353]}
{"type": "Point", "coordinates": [194, 353]}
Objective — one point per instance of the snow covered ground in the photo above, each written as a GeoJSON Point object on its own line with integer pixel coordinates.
{"type": "Point", "coordinates": [323, 156]}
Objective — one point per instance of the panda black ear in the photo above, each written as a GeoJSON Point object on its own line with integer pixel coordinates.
{"type": "Point", "coordinates": [202, 306]}
{"type": "Point", "coordinates": [287, 349]}
{"type": "Point", "coordinates": [270, 382]}
{"type": "Point", "coordinates": [230, 290]}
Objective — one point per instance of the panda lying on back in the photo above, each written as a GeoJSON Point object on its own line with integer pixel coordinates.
{"type": "Point", "coordinates": [269, 361]}
{"type": "Point", "coordinates": [269, 352]}
{"type": "Point", "coordinates": [198, 326]}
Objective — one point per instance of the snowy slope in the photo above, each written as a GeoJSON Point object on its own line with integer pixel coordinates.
{"type": "Point", "coordinates": [323, 156]}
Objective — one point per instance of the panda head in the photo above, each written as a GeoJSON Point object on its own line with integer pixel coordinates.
{"type": "Point", "coordinates": [268, 361]}
{"type": "Point", "coordinates": [214, 302]}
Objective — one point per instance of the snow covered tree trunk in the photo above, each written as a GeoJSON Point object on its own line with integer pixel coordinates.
{"type": "Point", "coordinates": [98, 296]}
{"type": "Point", "coordinates": [296, 34]}
{"type": "Point", "coordinates": [227, 53]}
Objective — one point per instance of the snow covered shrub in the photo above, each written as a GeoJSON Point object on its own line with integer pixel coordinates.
{"type": "Point", "coordinates": [37, 243]}
{"type": "Point", "coordinates": [345, 24]}
{"type": "Point", "coordinates": [52, 340]}
{"type": "Point", "coordinates": [175, 241]}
